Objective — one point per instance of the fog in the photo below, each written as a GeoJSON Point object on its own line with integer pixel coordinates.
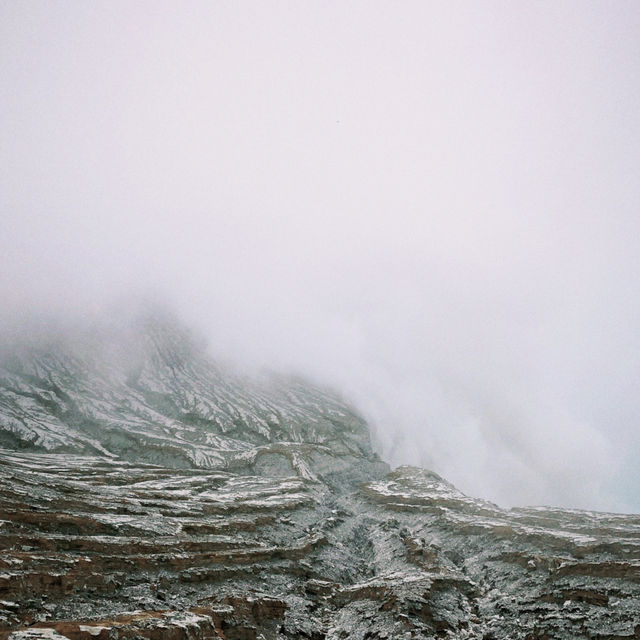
{"type": "Point", "coordinates": [431, 206]}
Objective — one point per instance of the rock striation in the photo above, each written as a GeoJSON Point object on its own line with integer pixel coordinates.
{"type": "Point", "coordinates": [147, 493]}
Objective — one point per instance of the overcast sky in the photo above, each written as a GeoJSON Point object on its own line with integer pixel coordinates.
{"type": "Point", "coordinates": [432, 206]}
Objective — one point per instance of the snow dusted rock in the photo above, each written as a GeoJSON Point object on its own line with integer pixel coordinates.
{"type": "Point", "coordinates": [149, 393]}
{"type": "Point", "coordinates": [156, 496]}
{"type": "Point", "coordinates": [530, 573]}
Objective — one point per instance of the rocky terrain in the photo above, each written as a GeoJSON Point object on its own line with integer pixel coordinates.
{"type": "Point", "coordinates": [145, 492]}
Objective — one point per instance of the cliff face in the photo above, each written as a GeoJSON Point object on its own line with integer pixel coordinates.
{"type": "Point", "coordinates": [145, 492]}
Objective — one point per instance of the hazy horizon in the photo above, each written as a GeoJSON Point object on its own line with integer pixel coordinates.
{"type": "Point", "coordinates": [431, 207]}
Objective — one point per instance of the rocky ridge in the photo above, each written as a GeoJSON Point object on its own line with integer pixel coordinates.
{"type": "Point", "coordinates": [147, 493]}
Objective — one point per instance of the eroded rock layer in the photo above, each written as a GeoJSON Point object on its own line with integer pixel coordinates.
{"type": "Point", "coordinates": [169, 500]}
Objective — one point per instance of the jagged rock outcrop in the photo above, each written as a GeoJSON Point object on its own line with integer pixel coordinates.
{"type": "Point", "coordinates": [146, 493]}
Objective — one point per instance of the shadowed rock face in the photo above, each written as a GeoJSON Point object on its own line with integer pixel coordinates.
{"type": "Point", "coordinates": [146, 493]}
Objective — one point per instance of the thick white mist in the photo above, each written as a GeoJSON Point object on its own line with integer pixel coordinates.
{"type": "Point", "coordinates": [431, 206]}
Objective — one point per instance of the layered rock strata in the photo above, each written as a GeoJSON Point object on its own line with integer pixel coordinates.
{"type": "Point", "coordinates": [156, 496]}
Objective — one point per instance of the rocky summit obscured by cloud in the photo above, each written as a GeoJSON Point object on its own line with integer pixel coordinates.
{"type": "Point", "coordinates": [430, 206]}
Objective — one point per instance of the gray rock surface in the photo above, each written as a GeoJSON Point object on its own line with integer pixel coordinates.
{"type": "Point", "coordinates": [147, 493]}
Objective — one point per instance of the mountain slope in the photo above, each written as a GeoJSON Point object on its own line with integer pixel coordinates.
{"type": "Point", "coordinates": [150, 393]}
{"type": "Point", "coordinates": [145, 492]}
